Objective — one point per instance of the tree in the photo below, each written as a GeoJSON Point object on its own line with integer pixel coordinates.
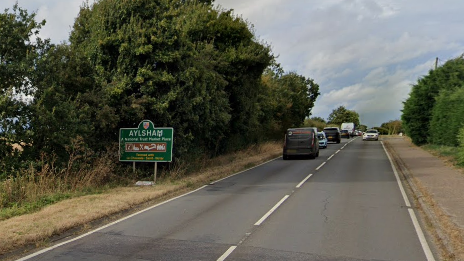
{"type": "Point", "coordinates": [361, 127]}
{"type": "Point", "coordinates": [417, 109]}
{"type": "Point", "coordinates": [181, 64]}
{"type": "Point", "coordinates": [447, 117]}
{"type": "Point", "coordinates": [18, 52]}
{"type": "Point", "coordinates": [290, 97]}
{"type": "Point", "coordinates": [341, 114]}
{"type": "Point", "coordinates": [319, 119]}
{"type": "Point", "coordinates": [317, 122]}
{"type": "Point", "coordinates": [460, 155]}
{"type": "Point", "coordinates": [392, 127]}
{"type": "Point", "coordinates": [65, 104]}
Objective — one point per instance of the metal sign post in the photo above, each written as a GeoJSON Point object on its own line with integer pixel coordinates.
{"type": "Point", "coordinates": [156, 167]}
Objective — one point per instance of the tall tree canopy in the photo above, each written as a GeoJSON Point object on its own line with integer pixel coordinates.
{"type": "Point", "coordinates": [179, 63]}
{"type": "Point", "coordinates": [289, 98]}
{"type": "Point", "coordinates": [392, 127]}
{"type": "Point", "coordinates": [341, 115]}
{"type": "Point", "coordinates": [19, 47]}
{"type": "Point", "coordinates": [417, 110]}
{"type": "Point", "coordinates": [317, 122]}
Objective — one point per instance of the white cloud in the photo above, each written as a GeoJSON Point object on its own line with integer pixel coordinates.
{"type": "Point", "coordinates": [364, 54]}
{"type": "Point", "coordinates": [381, 92]}
{"type": "Point", "coordinates": [59, 15]}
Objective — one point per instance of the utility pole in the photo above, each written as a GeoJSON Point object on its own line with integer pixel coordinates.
{"type": "Point", "coordinates": [436, 63]}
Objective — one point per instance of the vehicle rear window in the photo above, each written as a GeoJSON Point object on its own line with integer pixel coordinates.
{"type": "Point", "coordinates": [298, 134]}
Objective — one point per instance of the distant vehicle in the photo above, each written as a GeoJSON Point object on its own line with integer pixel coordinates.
{"type": "Point", "coordinates": [345, 134]}
{"type": "Point", "coordinates": [371, 134]}
{"type": "Point", "coordinates": [322, 140]}
{"type": "Point", "coordinates": [332, 134]}
{"type": "Point", "coordinates": [350, 127]}
{"type": "Point", "coordinates": [301, 142]}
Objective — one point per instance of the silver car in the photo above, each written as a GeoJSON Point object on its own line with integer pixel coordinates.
{"type": "Point", "coordinates": [371, 134]}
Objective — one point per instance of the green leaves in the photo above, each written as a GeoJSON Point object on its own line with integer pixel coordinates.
{"type": "Point", "coordinates": [181, 64]}
{"type": "Point", "coordinates": [288, 100]}
{"type": "Point", "coordinates": [18, 54]}
{"type": "Point", "coordinates": [447, 117]}
{"type": "Point", "coordinates": [419, 108]}
{"type": "Point", "coordinates": [341, 114]}
{"type": "Point", "coordinates": [184, 65]}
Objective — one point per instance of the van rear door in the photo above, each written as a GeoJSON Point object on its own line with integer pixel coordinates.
{"type": "Point", "coordinates": [300, 140]}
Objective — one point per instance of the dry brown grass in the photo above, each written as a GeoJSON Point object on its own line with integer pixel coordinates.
{"type": "Point", "coordinates": [37, 228]}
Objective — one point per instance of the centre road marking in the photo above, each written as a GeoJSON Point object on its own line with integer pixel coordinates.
{"type": "Point", "coordinates": [304, 180]}
{"type": "Point", "coordinates": [272, 210]}
{"type": "Point", "coordinates": [320, 166]}
{"type": "Point", "coordinates": [227, 253]}
{"type": "Point", "coordinates": [232, 248]}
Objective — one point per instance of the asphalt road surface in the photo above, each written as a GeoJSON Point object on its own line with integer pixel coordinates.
{"type": "Point", "coordinates": [344, 205]}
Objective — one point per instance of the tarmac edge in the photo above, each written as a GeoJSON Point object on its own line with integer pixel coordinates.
{"type": "Point", "coordinates": [438, 225]}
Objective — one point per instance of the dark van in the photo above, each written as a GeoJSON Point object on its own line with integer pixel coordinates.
{"type": "Point", "coordinates": [301, 142]}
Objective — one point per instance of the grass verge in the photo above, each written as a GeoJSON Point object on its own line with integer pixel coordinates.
{"type": "Point", "coordinates": [448, 153]}
{"type": "Point", "coordinates": [36, 229]}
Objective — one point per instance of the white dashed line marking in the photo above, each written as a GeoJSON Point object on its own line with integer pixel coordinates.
{"type": "Point", "coordinates": [320, 166]}
{"type": "Point", "coordinates": [271, 211]}
{"type": "Point", "coordinates": [304, 180]}
{"type": "Point", "coordinates": [227, 253]}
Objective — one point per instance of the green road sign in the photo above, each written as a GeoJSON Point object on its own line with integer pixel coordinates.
{"type": "Point", "coordinates": [146, 143]}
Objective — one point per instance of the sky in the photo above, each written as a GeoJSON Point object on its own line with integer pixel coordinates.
{"type": "Point", "coordinates": [364, 54]}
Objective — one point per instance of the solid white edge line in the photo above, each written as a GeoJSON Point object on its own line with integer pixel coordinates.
{"type": "Point", "coordinates": [320, 166]}
{"type": "Point", "coordinates": [227, 253]}
{"type": "Point", "coordinates": [304, 180]}
{"type": "Point", "coordinates": [403, 193]}
{"type": "Point", "coordinates": [271, 211]}
{"type": "Point", "coordinates": [105, 226]}
{"type": "Point", "coordinates": [122, 219]}
{"type": "Point", "coordinates": [412, 215]}
{"type": "Point", "coordinates": [420, 234]}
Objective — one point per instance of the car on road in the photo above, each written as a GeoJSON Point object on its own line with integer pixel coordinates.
{"type": "Point", "coordinates": [301, 142]}
{"type": "Point", "coordinates": [322, 140]}
{"type": "Point", "coordinates": [371, 134]}
{"type": "Point", "coordinates": [345, 134]}
{"type": "Point", "coordinates": [332, 134]}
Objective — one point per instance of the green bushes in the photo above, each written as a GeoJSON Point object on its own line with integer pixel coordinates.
{"type": "Point", "coordinates": [447, 117]}
{"type": "Point", "coordinates": [180, 64]}
{"type": "Point", "coordinates": [441, 87]}
{"type": "Point", "coordinates": [461, 147]}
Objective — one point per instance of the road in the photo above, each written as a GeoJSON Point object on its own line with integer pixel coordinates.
{"type": "Point", "coordinates": [344, 205]}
